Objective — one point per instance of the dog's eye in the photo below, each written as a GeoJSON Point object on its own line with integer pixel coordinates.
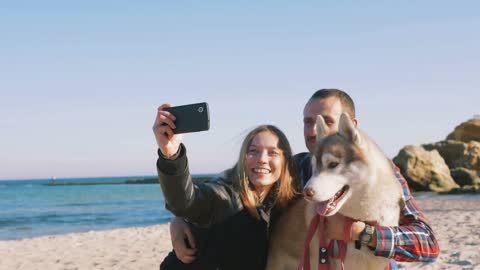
{"type": "Point", "coordinates": [332, 165]}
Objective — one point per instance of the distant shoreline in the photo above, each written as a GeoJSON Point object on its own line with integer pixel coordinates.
{"type": "Point", "coordinates": [149, 180]}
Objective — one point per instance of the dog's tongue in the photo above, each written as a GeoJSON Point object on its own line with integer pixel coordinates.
{"type": "Point", "coordinates": [322, 207]}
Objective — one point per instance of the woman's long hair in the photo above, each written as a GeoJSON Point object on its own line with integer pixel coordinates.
{"type": "Point", "coordinates": [282, 190]}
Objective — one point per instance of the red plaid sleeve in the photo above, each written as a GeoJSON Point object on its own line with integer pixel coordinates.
{"type": "Point", "coordinates": [414, 239]}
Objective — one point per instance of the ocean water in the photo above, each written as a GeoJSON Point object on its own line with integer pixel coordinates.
{"type": "Point", "coordinates": [30, 208]}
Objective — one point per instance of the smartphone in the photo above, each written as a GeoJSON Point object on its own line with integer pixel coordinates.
{"type": "Point", "coordinates": [190, 118]}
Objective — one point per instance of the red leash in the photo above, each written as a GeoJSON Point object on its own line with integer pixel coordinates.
{"type": "Point", "coordinates": [325, 251]}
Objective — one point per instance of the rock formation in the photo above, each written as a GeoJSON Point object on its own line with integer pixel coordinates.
{"type": "Point", "coordinates": [467, 131]}
{"type": "Point", "coordinates": [458, 154]}
{"type": "Point", "coordinates": [424, 170]}
{"type": "Point", "coordinates": [449, 165]}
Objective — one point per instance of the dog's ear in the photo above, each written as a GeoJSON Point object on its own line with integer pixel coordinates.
{"type": "Point", "coordinates": [322, 129]}
{"type": "Point", "coordinates": [347, 129]}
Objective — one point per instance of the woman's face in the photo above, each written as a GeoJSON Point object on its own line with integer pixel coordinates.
{"type": "Point", "coordinates": [264, 160]}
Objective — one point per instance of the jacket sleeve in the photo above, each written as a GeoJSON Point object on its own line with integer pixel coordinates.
{"type": "Point", "coordinates": [414, 239]}
{"type": "Point", "coordinates": [200, 203]}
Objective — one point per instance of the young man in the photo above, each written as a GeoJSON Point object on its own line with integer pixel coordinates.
{"type": "Point", "coordinates": [413, 240]}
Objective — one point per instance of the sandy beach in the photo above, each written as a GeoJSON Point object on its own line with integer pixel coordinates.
{"type": "Point", "coordinates": [454, 218]}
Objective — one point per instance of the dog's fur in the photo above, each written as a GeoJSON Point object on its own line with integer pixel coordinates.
{"type": "Point", "coordinates": [347, 158]}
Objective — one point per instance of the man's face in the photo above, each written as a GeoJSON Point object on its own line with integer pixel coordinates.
{"type": "Point", "coordinates": [329, 108]}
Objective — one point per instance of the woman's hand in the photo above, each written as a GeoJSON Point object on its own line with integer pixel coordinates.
{"type": "Point", "coordinates": [167, 141]}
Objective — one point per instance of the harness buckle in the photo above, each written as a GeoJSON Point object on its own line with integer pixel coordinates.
{"type": "Point", "coordinates": [323, 255]}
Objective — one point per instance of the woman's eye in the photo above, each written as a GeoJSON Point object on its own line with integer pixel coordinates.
{"type": "Point", "coordinates": [332, 165]}
{"type": "Point", "coordinates": [274, 153]}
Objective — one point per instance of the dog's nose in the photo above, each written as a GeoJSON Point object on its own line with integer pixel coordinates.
{"type": "Point", "coordinates": [309, 192]}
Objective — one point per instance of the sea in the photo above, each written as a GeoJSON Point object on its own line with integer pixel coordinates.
{"type": "Point", "coordinates": [31, 208]}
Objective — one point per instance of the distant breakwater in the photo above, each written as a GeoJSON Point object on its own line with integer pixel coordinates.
{"type": "Point", "coordinates": [149, 180]}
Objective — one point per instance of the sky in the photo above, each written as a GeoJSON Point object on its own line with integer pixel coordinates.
{"type": "Point", "coordinates": [80, 81]}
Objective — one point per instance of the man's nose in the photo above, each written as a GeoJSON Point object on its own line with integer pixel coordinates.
{"type": "Point", "coordinates": [310, 131]}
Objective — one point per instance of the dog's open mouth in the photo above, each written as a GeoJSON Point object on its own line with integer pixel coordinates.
{"type": "Point", "coordinates": [325, 207]}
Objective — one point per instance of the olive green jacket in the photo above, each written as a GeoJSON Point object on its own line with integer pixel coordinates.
{"type": "Point", "coordinates": [202, 203]}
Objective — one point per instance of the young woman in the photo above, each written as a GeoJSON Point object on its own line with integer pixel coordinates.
{"type": "Point", "coordinates": [235, 208]}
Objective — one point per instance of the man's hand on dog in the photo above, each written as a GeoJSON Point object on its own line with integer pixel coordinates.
{"type": "Point", "coordinates": [335, 228]}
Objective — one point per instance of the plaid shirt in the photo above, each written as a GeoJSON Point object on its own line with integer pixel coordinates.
{"type": "Point", "coordinates": [413, 240]}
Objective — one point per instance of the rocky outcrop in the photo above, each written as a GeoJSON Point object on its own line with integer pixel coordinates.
{"type": "Point", "coordinates": [465, 177]}
{"type": "Point", "coordinates": [425, 167]}
{"type": "Point", "coordinates": [458, 154]}
{"type": "Point", "coordinates": [424, 170]}
{"type": "Point", "coordinates": [467, 131]}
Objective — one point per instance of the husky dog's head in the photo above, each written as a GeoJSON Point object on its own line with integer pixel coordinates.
{"type": "Point", "coordinates": [339, 167]}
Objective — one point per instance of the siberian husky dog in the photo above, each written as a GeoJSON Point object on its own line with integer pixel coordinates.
{"type": "Point", "coordinates": [350, 176]}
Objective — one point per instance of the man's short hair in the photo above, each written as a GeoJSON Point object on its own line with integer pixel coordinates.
{"type": "Point", "coordinates": [345, 99]}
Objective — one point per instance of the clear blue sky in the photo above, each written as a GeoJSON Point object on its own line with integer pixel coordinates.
{"type": "Point", "coordinates": [80, 81]}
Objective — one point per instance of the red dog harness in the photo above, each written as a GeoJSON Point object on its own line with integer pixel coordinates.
{"type": "Point", "coordinates": [325, 251]}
